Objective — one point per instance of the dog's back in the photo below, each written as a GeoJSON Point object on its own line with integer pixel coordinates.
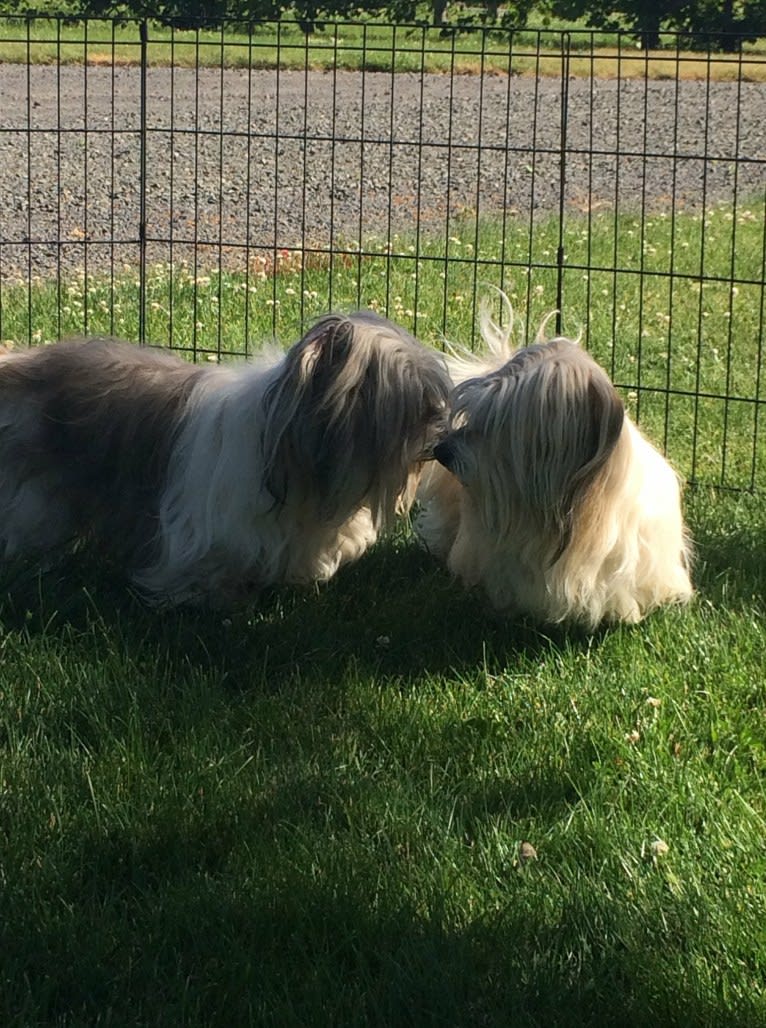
{"type": "Point", "coordinates": [85, 433]}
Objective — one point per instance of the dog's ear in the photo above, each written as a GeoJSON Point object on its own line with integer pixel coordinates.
{"type": "Point", "coordinates": [296, 436]}
{"type": "Point", "coordinates": [608, 415]}
{"type": "Point", "coordinates": [314, 360]}
{"type": "Point", "coordinates": [354, 407]}
{"type": "Point", "coordinates": [322, 354]}
{"type": "Point", "coordinates": [603, 417]}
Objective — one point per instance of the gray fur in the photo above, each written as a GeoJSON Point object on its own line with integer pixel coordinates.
{"type": "Point", "coordinates": [88, 427]}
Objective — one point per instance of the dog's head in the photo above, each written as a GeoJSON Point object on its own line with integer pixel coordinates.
{"type": "Point", "coordinates": [358, 406]}
{"type": "Point", "coordinates": [530, 439]}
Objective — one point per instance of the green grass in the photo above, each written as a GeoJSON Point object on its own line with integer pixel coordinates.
{"type": "Point", "coordinates": [310, 811]}
{"type": "Point", "coordinates": [366, 44]}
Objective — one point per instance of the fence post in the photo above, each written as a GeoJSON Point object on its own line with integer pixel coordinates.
{"type": "Point", "coordinates": [144, 36]}
{"type": "Point", "coordinates": [565, 49]}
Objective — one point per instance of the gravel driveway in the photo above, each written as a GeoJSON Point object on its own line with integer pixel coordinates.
{"type": "Point", "coordinates": [256, 159]}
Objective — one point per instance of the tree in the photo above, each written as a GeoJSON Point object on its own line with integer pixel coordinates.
{"type": "Point", "coordinates": [724, 24]}
{"type": "Point", "coordinates": [309, 13]}
{"type": "Point", "coordinates": [721, 24]}
{"type": "Point", "coordinates": [642, 17]}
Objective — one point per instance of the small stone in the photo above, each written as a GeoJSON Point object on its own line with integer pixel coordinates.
{"type": "Point", "coordinates": [527, 852]}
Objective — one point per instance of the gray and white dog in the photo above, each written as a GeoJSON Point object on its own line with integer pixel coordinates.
{"type": "Point", "coordinates": [207, 482]}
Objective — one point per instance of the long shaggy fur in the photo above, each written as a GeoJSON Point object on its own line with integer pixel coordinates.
{"type": "Point", "coordinates": [207, 482]}
{"type": "Point", "coordinates": [547, 495]}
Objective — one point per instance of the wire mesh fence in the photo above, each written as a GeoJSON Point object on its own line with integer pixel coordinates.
{"type": "Point", "coordinates": [207, 190]}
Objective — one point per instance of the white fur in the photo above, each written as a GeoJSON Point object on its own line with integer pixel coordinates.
{"type": "Point", "coordinates": [552, 500]}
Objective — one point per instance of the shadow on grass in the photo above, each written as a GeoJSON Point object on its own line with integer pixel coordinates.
{"type": "Point", "coordinates": [147, 932]}
{"type": "Point", "coordinates": [190, 900]}
{"type": "Point", "coordinates": [396, 613]}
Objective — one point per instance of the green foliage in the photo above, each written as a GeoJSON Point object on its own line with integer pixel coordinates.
{"type": "Point", "coordinates": [715, 24]}
{"type": "Point", "coordinates": [718, 24]}
{"type": "Point", "coordinates": [206, 13]}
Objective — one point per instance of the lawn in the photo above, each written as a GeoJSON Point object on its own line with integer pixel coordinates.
{"type": "Point", "coordinates": [312, 811]}
{"type": "Point", "coordinates": [375, 802]}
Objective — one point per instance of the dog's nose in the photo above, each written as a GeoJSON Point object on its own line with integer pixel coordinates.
{"type": "Point", "coordinates": [443, 453]}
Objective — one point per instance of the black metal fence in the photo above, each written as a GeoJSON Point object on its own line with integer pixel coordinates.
{"type": "Point", "coordinates": [204, 190]}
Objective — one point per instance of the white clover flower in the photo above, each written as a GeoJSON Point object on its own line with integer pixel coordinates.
{"type": "Point", "coordinates": [659, 848]}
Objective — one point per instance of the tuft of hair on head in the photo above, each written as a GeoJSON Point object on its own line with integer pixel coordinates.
{"type": "Point", "coordinates": [497, 337]}
{"type": "Point", "coordinates": [497, 334]}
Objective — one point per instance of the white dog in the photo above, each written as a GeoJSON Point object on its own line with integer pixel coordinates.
{"type": "Point", "coordinates": [206, 482]}
{"type": "Point", "coordinates": [549, 497]}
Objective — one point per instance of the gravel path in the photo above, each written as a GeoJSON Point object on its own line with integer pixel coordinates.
{"type": "Point", "coordinates": [254, 159]}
